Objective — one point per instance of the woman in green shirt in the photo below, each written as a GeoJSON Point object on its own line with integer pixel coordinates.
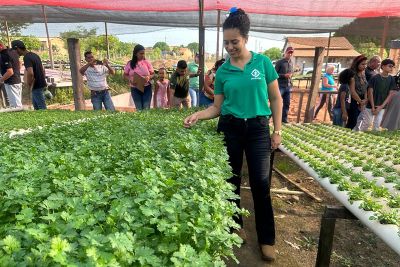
{"type": "Point", "coordinates": [243, 86]}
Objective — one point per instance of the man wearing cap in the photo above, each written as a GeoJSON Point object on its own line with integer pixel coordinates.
{"type": "Point", "coordinates": [10, 76]}
{"type": "Point", "coordinates": [284, 68]}
{"type": "Point", "coordinates": [34, 75]}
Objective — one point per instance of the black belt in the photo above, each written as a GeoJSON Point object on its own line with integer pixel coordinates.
{"type": "Point", "coordinates": [231, 117]}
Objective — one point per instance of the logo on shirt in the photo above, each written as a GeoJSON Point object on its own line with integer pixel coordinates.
{"type": "Point", "coordinates": [256, 75]}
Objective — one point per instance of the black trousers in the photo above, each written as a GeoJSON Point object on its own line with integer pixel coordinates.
{"type": "Point", "coordinates": [352, 114]}
{"type": "Point", "coordinates": [322, 103]}
{"type": "Point", "coordinates": [252, 137]}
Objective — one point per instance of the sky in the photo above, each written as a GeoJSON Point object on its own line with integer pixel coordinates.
{"type": "Point", "coordinates": [149, 35]}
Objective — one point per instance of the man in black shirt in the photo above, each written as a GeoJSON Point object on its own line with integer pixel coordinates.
{"type": "Point", "coordinates": [9, 69]}
{"type": "Point", "coordinates": [284, 68]}
{"type": "Point", "coordinates": [373, 67]}
{"type": "Point", "coordinates": [34, 75]}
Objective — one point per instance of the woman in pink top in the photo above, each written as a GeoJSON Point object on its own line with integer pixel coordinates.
{"type": "Point", "coordinates": [161, 91]}
{"type": "Point", "coordinates": [139, 71]}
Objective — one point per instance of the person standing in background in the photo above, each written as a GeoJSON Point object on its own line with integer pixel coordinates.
{"type": "Point", "coordinates": [96, 74]}
{"type": "Point", "coordinates": [34, 76]}
{"type": "Point", "coordinates": [379, 94]}
{"type": "Point", "coordinates": [139, 72]}
{"type": "Point", "coordinates": [358, 91]}
{"type": "Point", "coordinates": [372, 67]}
{"type": "Point", "coordinates": [284, 68]}
{"type": "Point", "coordinates": [207, 96]}
{"type": "Point", "coordinates": [10, 75]}
{"type": "Point", "coordinates": [328, 84]}
{"type": "Point", "coordinates": [340, 110]}
{"type": "Point", "coordinates": [194, 83]}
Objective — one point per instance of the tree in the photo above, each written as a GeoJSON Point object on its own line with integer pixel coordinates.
{"type": "Point", "coordinates": [79, 33]}
{"type": "Point", "coordinates": [163, 46]}
{"type": "Point", "coordinates": [14, 29]}
{"type": "Point", "coordinates": [155, 54]}
{"type": "Point", "coordinates": [31, 42]}
{"type": "Point", "coordinates": [273, 53]}
{"type": "Point", "coordinates": [194, 47]}
{"type": "Point", "coordinates": [369, 49]}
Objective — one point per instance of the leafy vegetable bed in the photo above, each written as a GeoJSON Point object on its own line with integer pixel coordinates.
{"type": "Point", "coordinates": [124, 190]}
{"type": "Point", "coordinates": [363, 166]}
{"type": "Point", "coordinates": [31, 119]}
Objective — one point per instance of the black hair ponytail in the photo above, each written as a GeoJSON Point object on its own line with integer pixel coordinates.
{"type": "Point", "coordinates": [237, 19]}
{"type": "Point", "coordinates": [134, 59]}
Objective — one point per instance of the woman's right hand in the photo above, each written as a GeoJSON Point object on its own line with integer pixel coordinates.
{"type": "Point", "coordinates": [190, 120]}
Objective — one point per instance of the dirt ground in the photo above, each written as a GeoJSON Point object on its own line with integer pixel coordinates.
{"type": "Point", "coordinates": [298, 224]}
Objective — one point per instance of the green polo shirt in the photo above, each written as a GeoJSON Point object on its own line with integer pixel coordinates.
{"type": "Point", "coordinates": [245, 91]}
{"type": "Point", "coordinates": [194, 81]}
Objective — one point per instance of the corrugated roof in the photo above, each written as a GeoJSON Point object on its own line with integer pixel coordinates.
{"type": "Point", "coordinates": [332, 53]}
{"type": "Point", "coordinates": [312, 42]}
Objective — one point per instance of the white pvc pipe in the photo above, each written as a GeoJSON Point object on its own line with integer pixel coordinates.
{"type": "Point", "coordinates": [389, 233]}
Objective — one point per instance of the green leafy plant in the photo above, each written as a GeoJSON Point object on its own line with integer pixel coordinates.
{"type": "Point", "coordinates": [118, 190]}
{"type": "Point", "coordinates": [370, 204]}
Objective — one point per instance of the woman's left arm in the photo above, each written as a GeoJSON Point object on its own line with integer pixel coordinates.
{"type": "Point", "coordinates": [275, 100]}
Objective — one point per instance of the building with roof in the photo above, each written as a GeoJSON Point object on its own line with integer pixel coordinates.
{"type": "Point", "coordinates": [340, 50]}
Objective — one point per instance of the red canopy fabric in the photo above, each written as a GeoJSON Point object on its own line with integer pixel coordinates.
{"type": "Point", "coordinates": [269, 16]}
{"type": "Point", "coordinates": [314, 8]}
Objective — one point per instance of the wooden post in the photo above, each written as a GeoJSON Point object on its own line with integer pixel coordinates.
{"type": "Point", "coordinates": [300, 106]}
{"type": "Point", "coordinates": [326, 106]}
{"type": "Point", "coordinates": [218, 26]}
{"type": "Point", "coordinates": [8, 35]}
{"type": "Point", "coordinates": [201, 43]}
{"type": "Point", "coordinates": [315, 80]}
{"type": "Point", "coordinates": [107, 42]}
{"type": "Point", "coordinates": [327, 51]}
{"type": "Point", "coordinates": [74, 53]}
{"type": "Point", "coordinates": [327, 231]}
{"type": "Point", "coordinates": [384, 36]}
{"type": "Point", "coordinates": [48, 39]}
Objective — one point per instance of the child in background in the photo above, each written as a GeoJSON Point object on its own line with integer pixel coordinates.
{"type": "Point", "coordinates": [343, 100]}
{"type": "Point", "coordinates": [161, 91]}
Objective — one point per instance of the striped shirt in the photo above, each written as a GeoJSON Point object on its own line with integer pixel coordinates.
{"type": "Point", "coordinates": [97, 77]}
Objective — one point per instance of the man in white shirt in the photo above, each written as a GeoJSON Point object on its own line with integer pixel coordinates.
{"type": "Point", "coordinates": [96, 74]}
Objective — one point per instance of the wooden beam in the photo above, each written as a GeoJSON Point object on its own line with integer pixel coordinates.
{"type": "Point", "coordinates": [327, 232]}
{"type": "Point", "coordinates": [8, 35]}
{"type": "Point", "coordinates": [300, 107]}
{"type": "Point", "coordinates": [74, 53]}
{"type": "Point", "coordinates": [279, 191]}
{"type": "Point", "coordinates": [48, 39]}
{"type": "Point", "coordinates": [305, 190]}
{"type": "Point", "coordinates": [328, 49]}
{"type": "Point", "coordinates": [384, 36]}
{"type": "Point", "coordinates": [315, 81]}
{"type": "Point", "coordinates": [107, 42]}
{"type": "Point", "coordinates": [201, 43]}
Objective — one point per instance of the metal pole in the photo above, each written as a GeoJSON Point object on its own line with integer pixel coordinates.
{"type": "Point", "coordinates": [384, 36]}
{"type": "Point", "coordinates": [48, 39]}
{"type": "Point", "coordinates": [222, 48]}
{"type": "Point", "coordinates": [8, 35]}
{"type": "Point", "coordinates": [218, 26]}
{"type": "Point", "coordinates": [201, 43]}
{"type": "Point", "coordinates": [107, 42]}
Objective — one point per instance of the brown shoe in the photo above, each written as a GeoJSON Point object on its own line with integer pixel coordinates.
{"type": "Point", "coordinates": [267, 252]}
{"type": "Point", "coordinates": [242, 234]}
